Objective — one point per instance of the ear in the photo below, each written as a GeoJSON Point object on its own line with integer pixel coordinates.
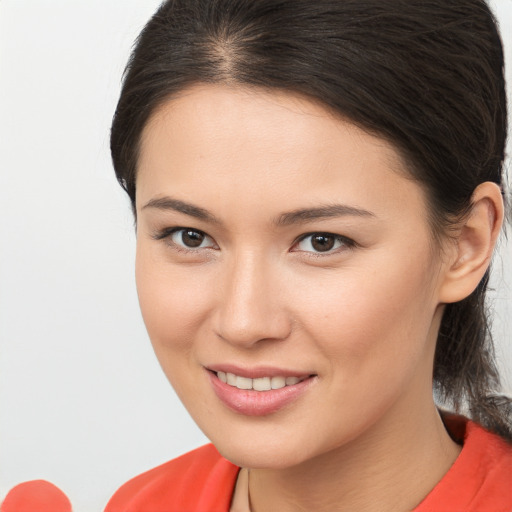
{"type": "Point", "coordinates": [474, 244]}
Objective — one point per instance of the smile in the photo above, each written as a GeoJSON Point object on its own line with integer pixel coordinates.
{"type": "Point", "coordinates": [265, 392]}
{"type": "Point", "coordinates": [259, 384]}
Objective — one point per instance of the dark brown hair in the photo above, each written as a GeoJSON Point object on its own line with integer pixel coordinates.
{"type": "Point", "coordinates": [427, 75]}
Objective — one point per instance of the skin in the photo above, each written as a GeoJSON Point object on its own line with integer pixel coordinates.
{"type": "Point", "coordinates": [363, 317]}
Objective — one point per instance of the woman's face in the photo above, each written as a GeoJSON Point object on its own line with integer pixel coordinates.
{"type": "Point", "coordinates": [279, 246]}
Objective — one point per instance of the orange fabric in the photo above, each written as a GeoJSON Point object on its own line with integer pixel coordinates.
{"type": "Point", "coordinates": [36, 496]}
{"type": "Point", "coordinates": [199, 481]}
{"type": "Point", "coordinates": [480, 480]}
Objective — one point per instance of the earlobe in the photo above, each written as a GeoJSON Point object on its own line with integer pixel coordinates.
{"type": "Point", "coordinates": [474, 244]}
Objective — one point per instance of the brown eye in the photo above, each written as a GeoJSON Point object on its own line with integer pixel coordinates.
{"type": "Point", "coordinates": [322, 243]}
{"type": "Point", "coordinates": [191, 238]}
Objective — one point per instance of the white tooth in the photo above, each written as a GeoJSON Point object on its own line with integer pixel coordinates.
{"type": "Point", "coordinates": [222, 376]}
{"type": "Point", "coordinates": [261, 384]}
{"type": "Point", "coordinates": [243, 382]}
{"type": "Point", "coordinates": [290, 381]}
{"type": "Point", "coordinates": [231, 379]}
{"type": "Point", "coordinates": [277, 382]}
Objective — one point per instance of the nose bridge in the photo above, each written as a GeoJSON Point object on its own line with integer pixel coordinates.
{"type": "Point", "coordinates": [249, 305]}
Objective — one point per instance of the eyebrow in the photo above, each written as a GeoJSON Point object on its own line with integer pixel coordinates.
{"type": "Point", "coordinates": [168, 203]}
{"type": "Point", "coordinates": [302, 215]}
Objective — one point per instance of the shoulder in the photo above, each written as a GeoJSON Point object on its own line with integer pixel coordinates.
{"type": "Point", "coordinates": [199, 480]}
{"type": "Point", "coordinates": [479, 480]}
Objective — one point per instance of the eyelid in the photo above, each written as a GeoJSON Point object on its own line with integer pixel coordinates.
{"type": "Point", "coordinates": [347, 243]}
{"type": "Point", "coordinates": [166, 235]}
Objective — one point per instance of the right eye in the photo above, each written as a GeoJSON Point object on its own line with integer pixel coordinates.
{"type": "Point", "coordinates": [186, 239]}
{"type": "Point", "coordinates": [190, 239]}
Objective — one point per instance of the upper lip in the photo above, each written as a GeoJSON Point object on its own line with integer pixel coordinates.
{"type": "Point", "coordinates": [256, 372]}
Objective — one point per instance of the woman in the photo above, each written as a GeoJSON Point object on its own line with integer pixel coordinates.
{"type": "Point", "coordinates": [318, 191]}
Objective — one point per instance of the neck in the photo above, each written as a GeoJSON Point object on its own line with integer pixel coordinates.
{"type": "Point", "coordinates": [391, 467]}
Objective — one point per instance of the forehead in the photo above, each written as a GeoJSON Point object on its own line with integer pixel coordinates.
{"type": "Point", "coordinates": [273, 118]}
{"type": "Point", "coordinates": [261, 147]}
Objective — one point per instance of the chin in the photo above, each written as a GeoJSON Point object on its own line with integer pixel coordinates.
{"type": "Point", "coordinates": [256, 459]}
{"type": "Point", "coordinates": [260, 453]}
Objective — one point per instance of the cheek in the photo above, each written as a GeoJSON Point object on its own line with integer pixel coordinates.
{"type": "Point", "coordinates": [173, 305]}
{"type": "Point", "coordinates": [371, 320]}
{"type": "Point", "coordinates": [172, 302]}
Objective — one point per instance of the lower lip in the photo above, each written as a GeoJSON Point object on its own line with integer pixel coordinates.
{"type": "Point", "coordinates": [257, 403]}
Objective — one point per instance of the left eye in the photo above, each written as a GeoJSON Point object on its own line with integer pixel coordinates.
{"type": "Point", "coordinates": [321, 242]}
{"type": "Point", "coordinates": [191, 238]}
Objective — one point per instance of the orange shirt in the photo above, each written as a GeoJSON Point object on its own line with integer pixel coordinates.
{"type": "Point", "coordinates": [199, 481]}
{"type": "Point", "coordinates": [480, 480]}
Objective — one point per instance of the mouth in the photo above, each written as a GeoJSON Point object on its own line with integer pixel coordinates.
{"type": "Point", "coordinates": [266, 392]}
{"type": "Point", "coordinates": [260, 383]}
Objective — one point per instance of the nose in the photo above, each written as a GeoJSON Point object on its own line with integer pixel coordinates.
{"type": "Point", "coordinates": [250, 303]}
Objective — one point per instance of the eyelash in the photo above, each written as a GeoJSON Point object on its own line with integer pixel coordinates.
{"type": "Point", "coordinates": [344, 242]}
{"type": "Point", "coordinates": [167, 233]}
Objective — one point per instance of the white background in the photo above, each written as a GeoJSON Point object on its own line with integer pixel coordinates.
{"type": "Point", "coordinates": [83, 402]}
